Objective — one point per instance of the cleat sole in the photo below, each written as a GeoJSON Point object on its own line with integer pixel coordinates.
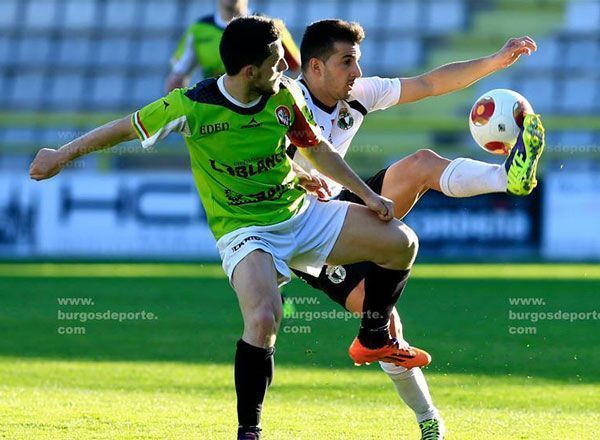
{"type": "Point", "coordinates": [533, 136]}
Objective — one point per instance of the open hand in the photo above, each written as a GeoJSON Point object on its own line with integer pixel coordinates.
{"type": "Point", "coordinates": [513, 49]}
{"type": "Point", "coordinates": [314, 184]}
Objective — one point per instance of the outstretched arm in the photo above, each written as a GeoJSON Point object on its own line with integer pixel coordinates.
{"type": "Point", "coordinates": [48, 162]}
{"type": "Point", "coordinates": [458, 75]}
{"type": "Point", "coordinates": [183, 63]}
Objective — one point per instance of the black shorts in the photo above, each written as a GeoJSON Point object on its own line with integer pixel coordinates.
{"type": "Point", "coordinates": [338, 281]}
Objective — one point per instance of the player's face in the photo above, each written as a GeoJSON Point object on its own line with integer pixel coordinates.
{"type": "Point", "coordinates": [268, 77]}
{"type": "Point", "coordinates": [342, 69]}
{"type": "Point", "coordinates": [233, 5]}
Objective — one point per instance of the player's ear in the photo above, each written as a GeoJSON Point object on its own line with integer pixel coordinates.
{"type": "Point", "coordinates": [249, 71]}
{"type": "Point", "coordinates": [316, 66]}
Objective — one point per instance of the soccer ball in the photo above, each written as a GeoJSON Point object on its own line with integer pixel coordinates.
{"type": "Point", "coordinates": [496, 120]}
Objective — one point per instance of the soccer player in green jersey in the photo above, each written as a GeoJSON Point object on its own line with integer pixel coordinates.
{"type": "Point", "coordinates": [235, 129]}
{"type": "Point", "coordinates": [199, 46]}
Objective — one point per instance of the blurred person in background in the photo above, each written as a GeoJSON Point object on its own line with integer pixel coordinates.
{"type": "Point", "coordinates": [199, 46]}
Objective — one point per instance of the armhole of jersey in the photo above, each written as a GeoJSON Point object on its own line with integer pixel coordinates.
{"type": "Point", "coordinates": [358, 107]}
{"type": "Point", "coordinates": [291, 151]}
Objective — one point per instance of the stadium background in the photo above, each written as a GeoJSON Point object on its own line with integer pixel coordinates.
{"type": "Point", "coordinates": [67, 66]}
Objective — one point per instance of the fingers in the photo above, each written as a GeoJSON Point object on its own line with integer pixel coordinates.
{"type": "Point", "coordinates": [36, 174]}
{"type": "Point", "coordinates": [522, 45]}
{"type": "Point", "coordinates": [386, 210]}
{"type": "Point", "coordinates": [325, 186]}
{"type": "Point", "coordinates": [390, 208]}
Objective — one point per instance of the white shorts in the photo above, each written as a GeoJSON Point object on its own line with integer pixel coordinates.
{"type": "Point", "coordinates": [303, 242]}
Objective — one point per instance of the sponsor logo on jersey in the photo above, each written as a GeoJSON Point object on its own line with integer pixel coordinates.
{"type": "Point", "coordinates": [336, 274]}
{"type": "Point", "coordinates": [214, 128]}
{"type": "Point", "coordinates": [345, 120]}
{"type": "Point", "coordinates": [284, 116]}
{"type": "Point", "coordinates": [238, 246]}
{"type": "Point", "coordinates": [273, 193]}
{"type": "Point", "coordinates": [250, 169]}
{"type": "Point", "coordinates": [252, 124]}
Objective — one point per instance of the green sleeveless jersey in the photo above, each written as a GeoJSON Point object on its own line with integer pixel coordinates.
{"type": "Point", "coordinates": [238, 154]}
{"type": "Point", "coordinates": [205, 35]}
{"type": "Point", "coordinates": [203, 38]}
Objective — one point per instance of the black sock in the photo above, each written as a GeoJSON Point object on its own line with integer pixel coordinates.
{"type": "Point", "coordinates": [383, 287]}
{"type": "Point", "coordinates": [253, 374]}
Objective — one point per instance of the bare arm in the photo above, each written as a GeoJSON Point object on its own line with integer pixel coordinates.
{"type": "Point", "coordinates": [182, 67]}
{"type": "Point", "coordinates": [48, 162]}
{"type": "Point", "coordinates": [327, 161]}
{"type": "Point", "coordinates": [459, 75]}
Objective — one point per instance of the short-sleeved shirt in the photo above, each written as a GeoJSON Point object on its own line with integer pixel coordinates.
{"type": "Point", "coordinates": [199, 46]}
{"type": "Point", "coordinates": [238, 151]}
{"type": "Point", "coordinates": [340, 123]}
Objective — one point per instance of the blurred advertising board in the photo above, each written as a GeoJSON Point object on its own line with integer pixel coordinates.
{"type": "Point", "coordinates": [572, 214]}
{"type": "Point", "coordinates": [485, 228]}
{"type": "Point", "coordinates": [137, 215]}
{"type": "Point", "coordinates": [159, 215]}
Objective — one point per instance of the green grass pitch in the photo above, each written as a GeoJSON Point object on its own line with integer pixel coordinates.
{"type": "Point", "coordinates": [171, 377]}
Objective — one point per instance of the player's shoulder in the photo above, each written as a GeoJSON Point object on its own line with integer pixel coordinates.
{"type": "Point", "coordinates": [288, 82]}
{"type": "Point", "coordinates": [364, 83]}
{"type": "Point", "coordinates": [364, 92]}
{"type": "Point", "coordinates": [372, 89]}
{"type": "Point", "coordinates": [291, 86]}
{"type": "Point", "coordinates": [207, 19]}
{"type": "Point", "coordinates": [205, 22]}
{"type": "Point", "coordinates": [204, 92]}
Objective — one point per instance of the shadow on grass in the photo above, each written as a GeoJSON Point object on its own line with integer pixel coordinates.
{"type": "Point", "coordinates": [465, 324]}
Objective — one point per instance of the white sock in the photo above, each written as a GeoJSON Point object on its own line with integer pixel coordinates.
{"type": "Point", "coordinates": [466, 178]}
{"type": "Point", "coordinates": [412, 389]}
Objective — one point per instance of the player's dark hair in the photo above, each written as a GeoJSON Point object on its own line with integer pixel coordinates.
{"type": "Point", "coordinates": [246, 41]}
{"type": "Point", "coordinates": [319, 38]}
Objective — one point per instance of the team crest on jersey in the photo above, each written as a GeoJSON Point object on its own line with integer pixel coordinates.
{"type": "Point", "coordinates": [345, 120]}
{"type": "Point", "coordinates": [336, 274]}
{"type": "Point", "coordinates": [284, 116]}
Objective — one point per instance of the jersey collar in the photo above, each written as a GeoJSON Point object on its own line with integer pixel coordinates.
{"type": "Point", "coordinates": [327, 109]}
{"type": "Point", "coordinates": [223, 90]}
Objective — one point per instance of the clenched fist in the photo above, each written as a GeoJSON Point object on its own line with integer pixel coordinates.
{"type": "Point", "coordinates": [382, 206]}
{"type": "Point", "coordinates": [47, 163]}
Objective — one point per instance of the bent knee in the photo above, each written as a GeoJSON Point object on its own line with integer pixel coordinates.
{"type": "Point", "coordinates": [264, 323]}
{"type": "Point", "coordinates": [425, 155]}
{"type": "Point", "coordinates": [404, 250]}
{"type": "Point", "coordinates": [417, 168]}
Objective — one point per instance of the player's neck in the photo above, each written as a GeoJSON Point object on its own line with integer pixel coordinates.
{"type": "Point", "coordinates": [320, 93]}
{"type": "Point", "coordinates": [239, 90]}
{"type": "Point", "coordinates": [227, 14]}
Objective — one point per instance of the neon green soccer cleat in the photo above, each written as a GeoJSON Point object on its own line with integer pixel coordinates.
{"type": "Point", "coordinates": [432, 429]}
{"type": "Point", "coordinates": [521, 164]}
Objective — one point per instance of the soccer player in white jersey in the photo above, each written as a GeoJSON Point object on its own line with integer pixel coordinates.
{"type": "Point", "coordinates": [340, 99]}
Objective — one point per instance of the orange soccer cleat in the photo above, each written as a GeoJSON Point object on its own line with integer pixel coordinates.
{"type": "Point", "coordinates": [391, 352]}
